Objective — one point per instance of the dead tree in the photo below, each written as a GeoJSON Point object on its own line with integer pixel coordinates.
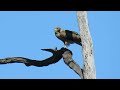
{"type": "Point", "coordinates": [89, 70]}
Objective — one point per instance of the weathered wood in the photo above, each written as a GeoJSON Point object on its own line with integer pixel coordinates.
{"type": "Point", "coordinates": [64, 53]}
{"type": "Point", "coordinates": [89, 70]}
{"type": "Point", "coordinates": [57, 55]}
{"type": "Point", "coordinates": [67, 57]}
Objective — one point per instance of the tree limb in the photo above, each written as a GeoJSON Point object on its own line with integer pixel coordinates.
{"type": "Point", "coordinates": [67, 56]}
{"type": "Point", "coordinates": [57, 55]}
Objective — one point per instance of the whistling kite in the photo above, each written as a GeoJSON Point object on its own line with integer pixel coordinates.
{"type": "Point", "coordinates": [68, 37]}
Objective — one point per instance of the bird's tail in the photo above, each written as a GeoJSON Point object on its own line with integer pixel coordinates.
{"type": "Point", "coordinates": [79, 43]}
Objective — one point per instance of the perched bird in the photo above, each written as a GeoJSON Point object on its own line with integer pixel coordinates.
{"type": "Point", "coordinates": [67, 37]}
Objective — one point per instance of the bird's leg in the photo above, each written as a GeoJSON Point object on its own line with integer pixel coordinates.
{"type": "Point", "coordinates": [66, 44]}
{"type": "Point", "coordinates": [55, 48]}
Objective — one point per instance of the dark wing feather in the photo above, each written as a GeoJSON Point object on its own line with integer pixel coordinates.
{"type": "Point", "coordinates": [73, 36]}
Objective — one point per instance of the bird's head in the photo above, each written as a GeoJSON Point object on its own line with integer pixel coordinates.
{"type": "Point", "coordinates": [57, 31]}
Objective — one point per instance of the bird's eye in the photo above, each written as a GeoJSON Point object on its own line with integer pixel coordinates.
{"type": "Point", "coordinates": [58, 28]}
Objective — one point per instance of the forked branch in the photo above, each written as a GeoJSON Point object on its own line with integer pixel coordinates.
{"type": "Point", "coordinates": [57, 55]}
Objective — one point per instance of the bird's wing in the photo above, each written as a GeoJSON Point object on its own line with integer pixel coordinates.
{"type": "Point", "coordinates": [73, 37]}
{"type": "Point", "coordinates": [70, 35]}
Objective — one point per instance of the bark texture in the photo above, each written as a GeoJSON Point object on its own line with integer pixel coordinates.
{"type": "Point", "coordinates": [89, 70]}
{"type": "Point", "coordinates": [67, 56]}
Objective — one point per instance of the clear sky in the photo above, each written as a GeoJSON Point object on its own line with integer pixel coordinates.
{"type": "Point", "coordinates": [25, 33]}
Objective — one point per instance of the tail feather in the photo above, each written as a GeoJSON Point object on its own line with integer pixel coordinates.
{"type": "Point", "coordinates": [79, 43]}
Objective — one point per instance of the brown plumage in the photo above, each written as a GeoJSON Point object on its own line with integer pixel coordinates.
{"type": "Point", "coordinates": [68, 37]}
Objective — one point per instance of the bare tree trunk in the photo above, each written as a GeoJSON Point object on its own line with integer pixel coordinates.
{"type": "Point", "coordinates": [89, 71]}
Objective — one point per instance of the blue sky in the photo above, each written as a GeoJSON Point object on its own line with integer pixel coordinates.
{"type": "Point", "coordinates": [25, 33]}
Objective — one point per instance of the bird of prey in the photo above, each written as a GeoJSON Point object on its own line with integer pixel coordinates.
{"type": "Point", "coordinates": [67, 37]}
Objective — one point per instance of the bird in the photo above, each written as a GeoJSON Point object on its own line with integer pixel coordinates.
{"type": "Point", "coordinates": [67, 36]}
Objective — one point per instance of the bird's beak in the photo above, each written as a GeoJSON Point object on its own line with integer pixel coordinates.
{"type": "Point", "coordinates": [55, 32]}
